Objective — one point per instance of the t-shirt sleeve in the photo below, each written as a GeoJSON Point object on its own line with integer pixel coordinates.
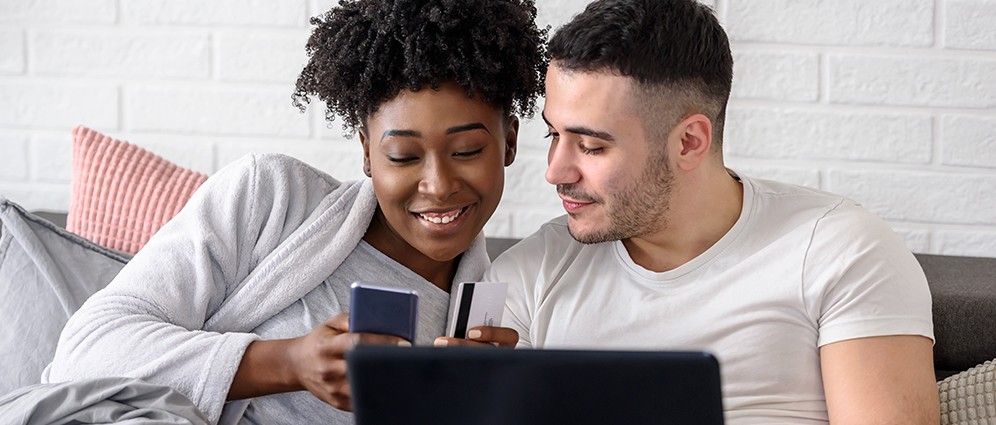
{"type": "Point", "coordinates": [860, 279]}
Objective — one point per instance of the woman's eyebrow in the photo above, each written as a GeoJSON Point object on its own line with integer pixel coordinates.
{"type": "Point", "coordinates": [467, 127]}
{"type": "Point", "coordinates": [399, 133]}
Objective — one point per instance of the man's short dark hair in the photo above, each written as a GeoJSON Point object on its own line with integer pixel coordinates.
{"type": "Point", "coordinates": [675, 50]}
{"type": "Point", "coordinates": [365, 52]}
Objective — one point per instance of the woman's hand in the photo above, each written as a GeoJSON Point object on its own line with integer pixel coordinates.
{"type": "Point", "coordinates": [318, 359]}
{"type": "Point", "coordinates": [315, 362]}
{"type": "Point", "coordinates": [482, 336]}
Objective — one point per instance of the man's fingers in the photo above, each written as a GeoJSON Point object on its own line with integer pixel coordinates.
{"type": "Point", "coordinates": [444, 341]}
{"type": "Point", "coordinates": [503, 337]}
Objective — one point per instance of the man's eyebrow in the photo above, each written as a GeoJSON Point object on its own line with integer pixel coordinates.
{"type": "Point", "coordinates": [467, 127]}
{"type": "Point", "coordinates": [584, 131]}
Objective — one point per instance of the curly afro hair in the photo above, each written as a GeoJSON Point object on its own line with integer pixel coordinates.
{"type": "Point", "coordinates": [364, 52]}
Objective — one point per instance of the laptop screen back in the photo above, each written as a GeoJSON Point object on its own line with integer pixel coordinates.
{"type": "Point", "coordinates": [394, 385]}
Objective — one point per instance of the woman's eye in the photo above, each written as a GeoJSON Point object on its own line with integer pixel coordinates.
{"type": "Point", "coordinates": [401, 160]}
{"type": "Point", "coordinates": [468, 154]}
{"type": "Point", "coordinates": [551, 134]}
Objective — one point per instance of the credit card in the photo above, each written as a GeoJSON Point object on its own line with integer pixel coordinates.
{"type": "Point", "coordinates": [476, 304]}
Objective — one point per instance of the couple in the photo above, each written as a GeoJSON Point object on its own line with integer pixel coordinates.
{"type": "Point", "coordinates": [815, 309]}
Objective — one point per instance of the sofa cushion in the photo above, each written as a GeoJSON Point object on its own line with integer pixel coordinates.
{"type": "Point", "coordinates": [121, 193]}
{"type": "Point", "coordinates": [45, 275]}
{"type": "Point", "coordinates": [969, 397]}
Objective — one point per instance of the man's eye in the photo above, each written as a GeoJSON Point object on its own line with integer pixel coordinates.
{"type": "Point", "coordinates": [401, 160]}
{"type": "Point", "coordinates": [590, 151]}
{"type": "Point", "coordinates": [551, 134]}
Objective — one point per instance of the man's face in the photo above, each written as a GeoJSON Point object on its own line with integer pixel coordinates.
{"type": "Point", "coordinates": [614, 182]}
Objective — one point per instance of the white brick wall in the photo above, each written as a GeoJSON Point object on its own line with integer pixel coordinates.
{"type": "Point", "coordinates": [890, 102]}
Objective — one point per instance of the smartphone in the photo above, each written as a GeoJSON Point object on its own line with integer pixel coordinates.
{"type": "Point", "coordinates": [381, 310]}
{"type": "Point", "coordinates": [476, 304]}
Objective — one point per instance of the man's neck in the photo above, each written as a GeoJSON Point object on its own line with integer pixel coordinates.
{"type": "Point", "coordinates": [702, 212]}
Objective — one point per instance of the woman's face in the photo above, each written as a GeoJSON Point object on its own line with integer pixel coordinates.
{"type": "Point", "coordinates": [437, 162]}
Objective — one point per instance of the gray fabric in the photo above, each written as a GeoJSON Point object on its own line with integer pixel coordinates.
{"type": "Point", "coordinates": [98, 401]}
{"type": "Point", "coordinates": [963, 290]}
{"type": "Point", "coordinates": [45, 275]}
{"type": "Point", "coordinates": [366, 264]}
{"type": "Point", "coordinates": [496, 246]}
{"type": "Point", "coordinates": [969, 398]}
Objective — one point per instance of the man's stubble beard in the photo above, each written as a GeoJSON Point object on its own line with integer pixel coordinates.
{"type": "Point", "coordinates": [638, 208]}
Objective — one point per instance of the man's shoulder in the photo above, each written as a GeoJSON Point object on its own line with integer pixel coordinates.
{"type": "Point", "coordinates": [774, 198]}
{"type": "Point", "coordinates": [552, 239]}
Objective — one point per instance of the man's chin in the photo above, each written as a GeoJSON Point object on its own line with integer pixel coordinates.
{"type": "Point", "coordinates": [587, 236]}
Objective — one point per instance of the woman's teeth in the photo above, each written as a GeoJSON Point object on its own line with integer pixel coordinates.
{"type": "Point", "coordinates": [442, 218]}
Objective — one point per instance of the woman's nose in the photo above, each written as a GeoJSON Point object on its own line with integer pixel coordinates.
{"type": "Point", "coordinates": [440, 179]}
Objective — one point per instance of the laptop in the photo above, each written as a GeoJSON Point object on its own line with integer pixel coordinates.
{"type": "Point", "coordinates": [466, 386]}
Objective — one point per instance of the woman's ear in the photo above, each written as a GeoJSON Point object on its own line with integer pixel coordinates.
{"type": "Point", "coordinates": [366, 150]}
{"type": "Point", "coordinates": [511, 139]}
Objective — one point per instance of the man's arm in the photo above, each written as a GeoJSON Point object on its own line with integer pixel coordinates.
{"type": "Point", "coordinates": [881, 380]}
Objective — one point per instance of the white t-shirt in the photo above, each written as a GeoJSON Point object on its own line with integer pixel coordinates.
{"type": "Point", "coordinates": [800, 269]}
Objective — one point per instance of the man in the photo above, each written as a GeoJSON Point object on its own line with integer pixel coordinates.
{"type": "Point", "coordinates": [815, 309]}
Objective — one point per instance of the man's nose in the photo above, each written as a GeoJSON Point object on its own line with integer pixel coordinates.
{"type": "Point", "coordinates": [561, 168]}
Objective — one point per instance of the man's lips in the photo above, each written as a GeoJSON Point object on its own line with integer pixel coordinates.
{"type": "Point", "coordinates": [574, 205]}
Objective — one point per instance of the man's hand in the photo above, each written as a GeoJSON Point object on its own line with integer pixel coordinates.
{"type": "Point", "coordinates": [315, 362]}
{"type": "Point", "coordinates": [880, 380]}
{"type": "Point", "coordinates": [482, 336]}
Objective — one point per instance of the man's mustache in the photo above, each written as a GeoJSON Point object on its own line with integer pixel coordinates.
{"type": "Point", "coordinates": [570, 191]}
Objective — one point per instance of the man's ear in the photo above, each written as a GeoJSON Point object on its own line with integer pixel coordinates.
{"type": "Point", "coordinates": [511, 139]}
{"type": "Point", "coordinates": [365, 142]}
{"type": "Point", "coordinates": [692, 141]}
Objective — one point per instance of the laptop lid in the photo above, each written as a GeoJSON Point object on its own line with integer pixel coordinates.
{"type": "Point", "coordinates": [459, 385]}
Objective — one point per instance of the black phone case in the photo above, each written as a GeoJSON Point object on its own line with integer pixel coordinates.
{"type": "Point", "coordinates": [383, 311]}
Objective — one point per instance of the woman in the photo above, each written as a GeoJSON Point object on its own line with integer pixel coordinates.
{"type": "Point", "coordinates": [232, 299]}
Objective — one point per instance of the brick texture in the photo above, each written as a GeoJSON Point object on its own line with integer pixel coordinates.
{"type": "Point", "coordinates": [804, 134]}
{"type": "Point", "coordinates": [109, 54]}
{"type": "Point", "coordinates": [11, 52]}
{"type": "Point", "coordinates": [58, 105]}
{"type": "Point", "coordinates": [969, 140]}
{"type": "Point", "coordinates": [969, 24]}
{"type": "Point", "coordinates": [913, 81]}
{"type": "Point", "coordinates": [838, 22]}
{"type": "Point", "coordinates": [777, 75]}
{"type": "Point", "coordinates": [890, 102]}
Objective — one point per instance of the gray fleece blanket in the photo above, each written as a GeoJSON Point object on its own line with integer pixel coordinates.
{"type": "Point", "coordinates": [99, 401]}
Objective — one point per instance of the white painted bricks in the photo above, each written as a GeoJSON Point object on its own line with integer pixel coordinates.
{"type": "Point", "coordinates": [837, 22]}
{"type": "Point", "coordinates": [889, 102]}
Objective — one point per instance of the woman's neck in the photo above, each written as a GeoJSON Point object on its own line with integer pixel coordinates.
{"type": "Point", "coordinates": [380, 236]}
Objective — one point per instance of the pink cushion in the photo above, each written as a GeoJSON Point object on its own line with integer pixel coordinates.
{"type": "Point", "coordinates": [122, 194]}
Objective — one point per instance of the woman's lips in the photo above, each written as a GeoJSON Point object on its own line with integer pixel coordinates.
{"type": "Point", "coordinates": [442, 218]}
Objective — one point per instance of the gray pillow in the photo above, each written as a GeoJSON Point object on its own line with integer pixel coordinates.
{"type": "Point", "coordinates": [45, 275]}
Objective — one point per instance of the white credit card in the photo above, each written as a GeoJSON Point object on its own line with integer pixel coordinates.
{"type": "Point", "coordinates": [476, 304]}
